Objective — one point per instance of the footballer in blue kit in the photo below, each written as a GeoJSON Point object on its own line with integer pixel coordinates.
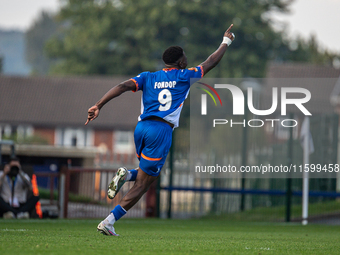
{"type": "Point", "coordinates": [163, 95]}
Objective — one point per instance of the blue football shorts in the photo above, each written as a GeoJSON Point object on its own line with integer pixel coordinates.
{"type": "Point", "coordinates": [153, 141]}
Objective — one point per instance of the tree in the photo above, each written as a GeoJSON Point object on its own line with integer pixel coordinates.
{"type": "Point", "coordinates": [301, 50]}
{"type": "Point", "coordinates": [36, 37]}
{"type": "Point", "coordinates": [128, 37]}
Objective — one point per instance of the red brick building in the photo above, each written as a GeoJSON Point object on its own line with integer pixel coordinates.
{"type": "Point", "coordinates": [54, 110]}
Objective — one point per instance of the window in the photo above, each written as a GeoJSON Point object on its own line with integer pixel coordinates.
{"type": "Point", "coordinates": [123, 142]}
{"type": "Point", "coordinates": [21, 131]}
{"type": "Point", "coordinates": [73, 137]}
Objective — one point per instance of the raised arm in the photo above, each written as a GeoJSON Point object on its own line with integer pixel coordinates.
{"type": "Point", "coordinates": [26, 179]}
{"type": "Point", "coordinates": [215, 58]}
{"type": "Point", "coordinates": [93, 112]}
{"type": "Point", "coordinates": [4, 173]}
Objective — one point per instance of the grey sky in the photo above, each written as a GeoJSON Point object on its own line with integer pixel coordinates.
{"type": "Point", "coordinates": [320, 17]}
{"type": "Point", "coordinates": [20, 14]}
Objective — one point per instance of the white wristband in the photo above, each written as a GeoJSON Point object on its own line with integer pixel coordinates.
{"type": "Point", "coordinates": [226, 40]}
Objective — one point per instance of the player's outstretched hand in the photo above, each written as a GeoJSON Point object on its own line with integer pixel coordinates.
{"type": "Point", "coordinates": [92, 113]}
{"type": "Point", "coordinates": [229, 34]}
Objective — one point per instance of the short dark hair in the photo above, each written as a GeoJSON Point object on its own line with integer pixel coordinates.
{"type": "Point", "coordinates": [15, 158]}
{"type": "Point", "coordinates": [172, 54]}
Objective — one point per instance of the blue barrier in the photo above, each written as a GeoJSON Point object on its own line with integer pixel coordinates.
{"type": "Point", "coordinates": [44, 181]}
{"type": "Point", "coordinates": [254, 191]}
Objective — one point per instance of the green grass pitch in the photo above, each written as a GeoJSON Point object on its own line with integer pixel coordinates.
{"type": "Point", "coordinates": [154, 236]}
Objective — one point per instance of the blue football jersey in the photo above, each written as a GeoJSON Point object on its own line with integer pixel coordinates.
{"type": "Point", "coordinates": [164, 92]}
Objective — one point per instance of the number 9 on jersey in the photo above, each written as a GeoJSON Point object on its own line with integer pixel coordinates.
{"type": "Point", "coordinates": [165, 99]}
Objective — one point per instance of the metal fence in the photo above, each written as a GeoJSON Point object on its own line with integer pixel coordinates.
{"type": "Point", "coordinates": [82, 193]}
{"type": "Point", "coordinates": [85, 194]}
{"type": "Point", "coordinates": [195, 197]}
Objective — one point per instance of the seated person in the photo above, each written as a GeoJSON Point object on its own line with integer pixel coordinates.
{"type": "Point", "coordinates": [14, 187]}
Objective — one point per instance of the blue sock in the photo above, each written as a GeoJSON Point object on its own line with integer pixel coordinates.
{"type": "Point", "coordinates": [118, 212]}
{"type": "Point", "coordinates": [134, 173]}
